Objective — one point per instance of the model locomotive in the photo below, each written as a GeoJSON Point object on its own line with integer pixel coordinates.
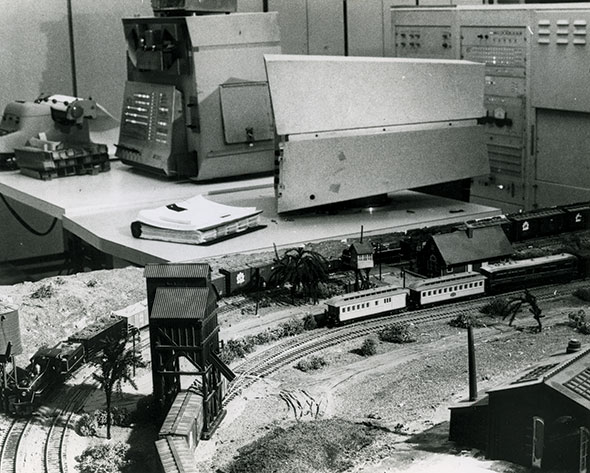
{"type": "Point", "coordinates": [490, 279]}
{"type": "Point", "coordinates": [49, 367]}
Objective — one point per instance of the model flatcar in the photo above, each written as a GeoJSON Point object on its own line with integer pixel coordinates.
{"type": "Point", "coordinates": [450, 287]}
{"type": "Point", "coordinates": [513, 275]}
{"type": "Point", "coordinates": [366, 303]}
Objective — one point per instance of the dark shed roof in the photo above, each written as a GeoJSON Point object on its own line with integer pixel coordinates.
{"type": "Point", "coordinates": [181, 303]}
{"type": "Point", "coordinates": [177, 270]}
{"type": "Point", "coordinates": [485, 243]}
{"type": "Point", "coordinates": [363, 248]}
{"type": "Point", "coordinates": [566, 373]}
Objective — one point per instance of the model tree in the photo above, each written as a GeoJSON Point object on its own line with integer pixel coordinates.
{"type": "Point", "coordinates": [515, 303]}
{"type": "Point", "coordinates": [116, 365]}
{"type": "Point", "coordinates": [303, 269]}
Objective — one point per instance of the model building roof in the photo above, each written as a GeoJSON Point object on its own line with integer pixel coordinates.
{"type": "Point", "coordinates": [477, 244]}
{"type": "Point", "coordinates": [181, 303]}
{"type": "Point", "coordinates": [362, 248]}
{"type": "Point", "coordinates": [177, 270]}
{"type": "Point", "coordinates": [187, 407]}
{"type": "Point", "coordinates": [176, 455]}
{"type": "Point", "coordinates": [566, 373]}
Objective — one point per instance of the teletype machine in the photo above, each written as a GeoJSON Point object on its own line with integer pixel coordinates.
{"type": "Point", "coordinates": [20, 121]}
{"type": "Point", "coordinates": [196, 101]}
{"type": "Point", "coordinates": [63, 146]}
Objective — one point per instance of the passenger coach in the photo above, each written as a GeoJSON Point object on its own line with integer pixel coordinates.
{"type": "Point", "coordinates": [513, 275]}
{"type": "Point", "coordinates": [445, 288]}
{"type": "Point", "coordinates": [367, 303]}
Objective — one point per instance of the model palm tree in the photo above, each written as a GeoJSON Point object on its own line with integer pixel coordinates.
{"type": "Point", "coordinates": [115, 367]}
{"type": "Point", "coordinates": [302, 269]}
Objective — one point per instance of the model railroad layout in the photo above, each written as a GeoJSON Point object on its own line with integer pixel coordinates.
{"type": "Point", "coordinates": [371, 310]}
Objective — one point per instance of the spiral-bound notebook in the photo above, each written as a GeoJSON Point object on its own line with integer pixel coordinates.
{"type": "Point", "coordinates": [195, 221]}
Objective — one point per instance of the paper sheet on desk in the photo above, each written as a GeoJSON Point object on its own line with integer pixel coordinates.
{"type": "Point", "coordinates": [196, 213]}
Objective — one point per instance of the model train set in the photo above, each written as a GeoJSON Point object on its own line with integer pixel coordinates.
{"type": "Point", "coordinates": [397, 247]}
{"type": "Point", "coordinates": [489, 280]}
{"type": "Point", "coordinates": [49, 367]}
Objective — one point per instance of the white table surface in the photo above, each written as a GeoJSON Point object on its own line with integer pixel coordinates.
{"type": "Point", "coordinates": [110, 231]}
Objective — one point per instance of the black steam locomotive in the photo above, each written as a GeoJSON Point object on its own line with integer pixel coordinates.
{"type": "Point", "coordinates": [49, 367]}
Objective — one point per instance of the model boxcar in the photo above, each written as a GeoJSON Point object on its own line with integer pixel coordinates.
{"type": "Point", "coordinates": [577, 216]}
{"type": "Point", "coordinates": [536, 223]}
{"type": "Point", "coordinates": [513, 275]}
{"type": "Point", "coordinates": [446, 288]}
{"type": "Point", "coordinates": [136, 314]}
{"type": "Point", "coordinates": [185, 418]}
{"type": "Point", "coordinates": [366, 303]}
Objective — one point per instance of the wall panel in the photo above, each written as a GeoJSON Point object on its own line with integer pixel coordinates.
{"type": "Point", "coordinates": [35, 54]}
{"type": "Point", "coordinates": [100, 48]}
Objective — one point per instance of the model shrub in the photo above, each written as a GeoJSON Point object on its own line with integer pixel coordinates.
{"type": "Point", "coordinates": [43, 292]}
{"type": "Point", "coordinates": [104, 458]}
{"type": "Point", "coordinates": [326, 446]}
{"type": "Point", "coordinates": [240, 347]}
{"type": "Point", "coordinates": [309, 322]}
{"type": "Point", "coordinates": [369, 347]}
{"type": "Point", "coordinates": [100, 415]}
{"type": "Point", "coordinates": [579, 322]}
{"type": "Point", "coordinates": [397, 333]}
{"type": "Point", "coordinates": [311, 364]}
{"type": "Point", "coordinates": [494, 308]}
{"type": "Point", "coordinates": [292, 327]}
{"type": "Point", "coordinates": [86, 425]}
{"type": "Point", "coordinates": [465, 320]}
{"type": "Point", "coordinates": [583, 294]}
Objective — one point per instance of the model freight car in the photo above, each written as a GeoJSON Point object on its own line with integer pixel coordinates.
{"type": "Point", "coordinates": [93, 337]}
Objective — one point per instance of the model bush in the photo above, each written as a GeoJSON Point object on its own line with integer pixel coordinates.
{"type": "Point", "coordinates": [397, 333]}
{"type": "Point", "coordinates": [104, 458]}
{"type": "Point", "coordinates": [86, 425]}
{"type": "Point", "coordinates": [305, 447]}
{"type": "Point", "coordinates": [466, 320]}
{"type": "Point", "coordinates": [311, 364]}
{"type": "Point", "coordinates": [495, 308]}
{"type": "Point", "coordinates": [120, 416]}
{"type": "Point", "coordinates": [240, 347]}
{"type": "Point", "coordinates": [369, 347]}
{"type": "Point", "coordinates": [43, 292]}
{"type": "Point", "coordinates": [579, 322]}
{"type": "Point", "coordinates": [583, 293]}
{"type": "Point", "coordinates": [310, 322]}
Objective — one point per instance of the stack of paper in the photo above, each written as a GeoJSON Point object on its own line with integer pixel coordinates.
{"type": "Point", "coordinates": [195, 221]}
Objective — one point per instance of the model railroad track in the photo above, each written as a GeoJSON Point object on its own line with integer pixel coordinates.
{"type": "Point", "coordinates": [290, 350]}
{"type": "Point", "coordinates": [55, 424]}
{"type": "Point", "coordinates": [10, 443]}
{"type": "Point", "coordinates": [55, 458]}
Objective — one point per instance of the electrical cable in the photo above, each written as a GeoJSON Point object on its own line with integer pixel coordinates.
{"type": "Point", "coordinates": [25, 224]}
